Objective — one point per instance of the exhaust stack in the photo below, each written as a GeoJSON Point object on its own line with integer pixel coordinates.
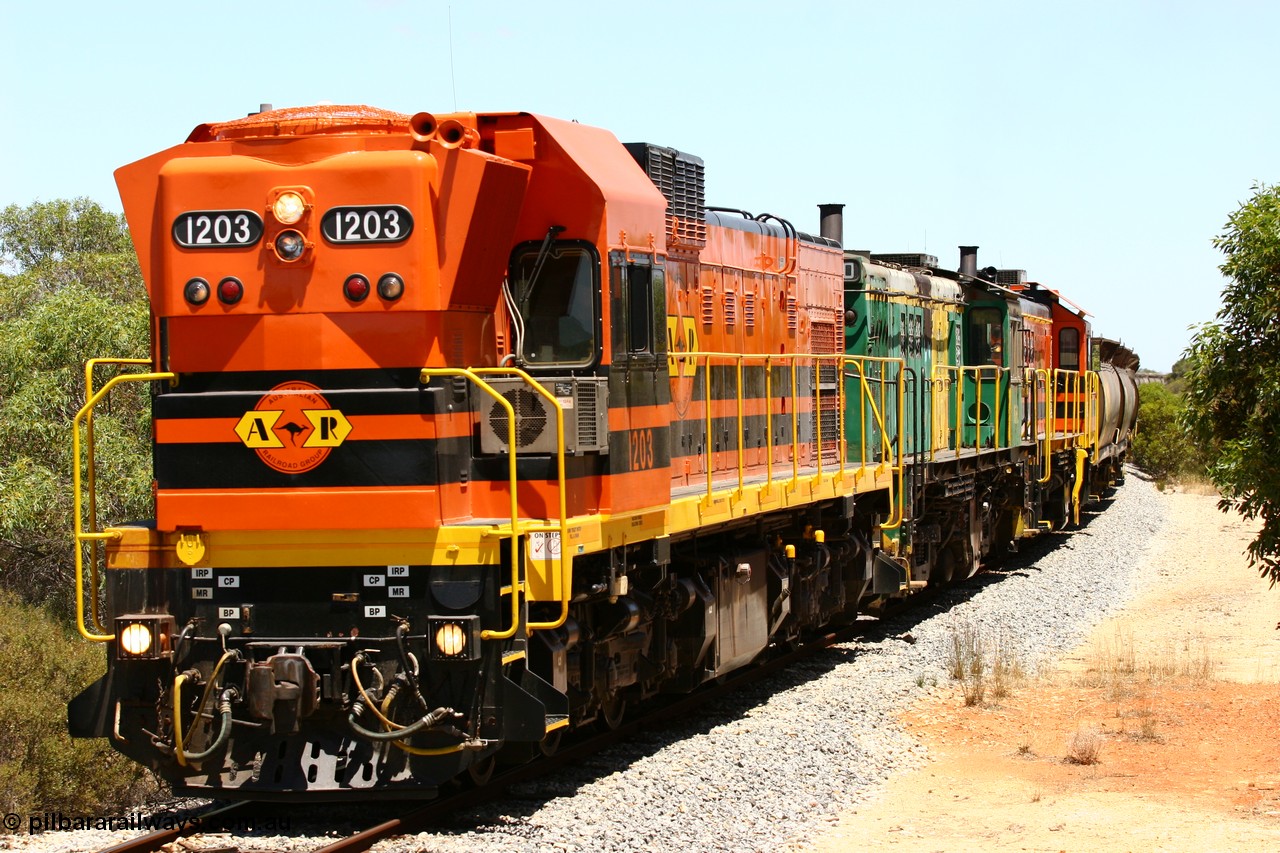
{"type": "Point", "coordinates": [832, 222]}
{"type": "Point", "coordinates": [969, 261]}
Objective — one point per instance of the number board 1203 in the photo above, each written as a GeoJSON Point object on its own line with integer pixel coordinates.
{"type": "Point", "coordinates": [216, 229]}
{"type": "Point", "coordinates": [377, 223]}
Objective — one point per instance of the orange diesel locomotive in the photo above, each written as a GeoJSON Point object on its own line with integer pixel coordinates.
{"type": "Point", "coordinates": [470, 430]}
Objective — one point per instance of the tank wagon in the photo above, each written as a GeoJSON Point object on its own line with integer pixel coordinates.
{"type": "Point", "coordinates": [470, 430]}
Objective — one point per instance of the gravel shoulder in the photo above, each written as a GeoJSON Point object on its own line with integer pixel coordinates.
{"type": "Point", "coordinates": [1180, 688]}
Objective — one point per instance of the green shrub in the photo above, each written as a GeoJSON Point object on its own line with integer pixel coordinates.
{"type": "Point", "coordinates": [1161, 447]}
{"type": "Point", "coordinates": [42, 665]}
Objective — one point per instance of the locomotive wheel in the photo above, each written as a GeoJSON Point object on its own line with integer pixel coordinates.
{"type": "Point", "coordinates": [550, 744]}
{"type": "Point", "coordinates": [481, 771]}
{"type": "Point", "coordinates": [943, 573]}
{"type": "Point", "coordinates": [612, 710]}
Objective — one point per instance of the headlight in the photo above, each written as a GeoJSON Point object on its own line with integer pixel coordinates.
{"type": "Point", "coordinates": [288, 208]}
{"type": "Point", "coordinates": [144, 637]}
{"type": "Point", "coordinates": [450, 639]}
{"type": "Point", "coordinates": [135, 639]}
{"type": "Point", "coordinates": [454, 637]}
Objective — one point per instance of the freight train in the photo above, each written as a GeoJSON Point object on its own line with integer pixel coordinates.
{"type": "Point", "coordinates": [474, 429]}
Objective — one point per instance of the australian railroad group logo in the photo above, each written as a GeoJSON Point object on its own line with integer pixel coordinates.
{"type": "Point", "coordinates": [293, 428]}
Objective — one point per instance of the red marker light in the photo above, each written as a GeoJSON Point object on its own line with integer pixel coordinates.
{"type": "Point", "coordinates": [356, 287]}
{"type": "Point", "coordinates": [230, 290]}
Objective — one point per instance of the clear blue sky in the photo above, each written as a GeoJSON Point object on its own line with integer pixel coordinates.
{"type": "Point", "coordinates": [1099, 145]}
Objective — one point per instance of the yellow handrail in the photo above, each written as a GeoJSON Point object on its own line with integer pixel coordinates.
{"type": "Point", "coordinates": [516, 586]}
{"type": "Point", "coordinates": [868, 397]}
{"type": "Point", "coordinates": [90, 464]}
{"type": "Point", "coordinates": [93, 535]}
{"type": "Point", "coordinates": [562, 527]}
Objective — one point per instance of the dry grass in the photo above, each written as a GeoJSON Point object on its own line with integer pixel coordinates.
{"type": "Point", "coordinates": [1084, 746]}
{"type": "Point", "coordinates": [1117, 669]}
{"type": "Point", "coordinates": [981, 662]}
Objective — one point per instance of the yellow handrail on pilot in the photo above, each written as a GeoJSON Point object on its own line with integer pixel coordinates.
{"type": "Point", "coordinates": [93, 534]}
{"type": "Point", "coordinates": [562, 527]}
{"type": "Point", "coordinates": [90, 465]}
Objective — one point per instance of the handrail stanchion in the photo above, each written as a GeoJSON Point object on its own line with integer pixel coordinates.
{"type": "Point", "coordinates": [706, 398]}
{"type": "Point", "coordinates": [768, 419]}
{"type": "Point", "coordinates": [741, 439]}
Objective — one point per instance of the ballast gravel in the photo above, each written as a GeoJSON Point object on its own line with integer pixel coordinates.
{"type": "Point", "coordinates": [777, 762]}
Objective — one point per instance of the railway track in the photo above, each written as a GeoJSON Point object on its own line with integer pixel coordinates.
{"type": "Point", "coordinates": [199, 823]}
{"type": "Point", "coordinates": [449, 806]}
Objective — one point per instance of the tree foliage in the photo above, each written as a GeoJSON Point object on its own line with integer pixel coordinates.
{"type": "Point", "coordinates": [41, 767]}
{"type": "Point", "coordinates": [1233, 382]}
{"type": "Point", "coordinates": [1160, 444]}
{"type": "Point", "coordinates": [70, 291]}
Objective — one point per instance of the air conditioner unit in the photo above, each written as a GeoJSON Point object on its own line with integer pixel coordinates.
{"type": "Point", "coordinates": [586, 416]}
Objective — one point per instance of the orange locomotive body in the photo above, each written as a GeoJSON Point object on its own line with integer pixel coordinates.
{"type": "Point", "coordinates": [465, 433]}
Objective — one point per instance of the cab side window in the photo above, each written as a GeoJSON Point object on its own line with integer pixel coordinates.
{"type": "Point", "coordinates": [555, 293]}
{"type": "Point", "coordinates": [986, 337]}
{"type": "Point", "coordinates": [1069, 349]}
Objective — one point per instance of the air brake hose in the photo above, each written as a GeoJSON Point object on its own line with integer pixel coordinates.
{"type": "Point", "coordinates": [407, 667]}
{"type": "Point", "coordinates": [224, 730]}
{"type": "Point", "coordinates": [399, 734]}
